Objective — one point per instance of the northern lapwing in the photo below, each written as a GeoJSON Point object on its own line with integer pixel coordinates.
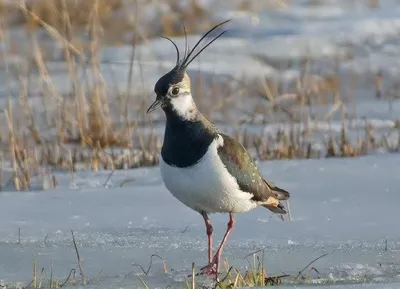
{"type": "Point", "coordinates": [202, 167]}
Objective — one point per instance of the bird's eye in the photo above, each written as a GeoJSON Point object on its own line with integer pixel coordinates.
{"type": "Point", "coordinates": [175, 91]}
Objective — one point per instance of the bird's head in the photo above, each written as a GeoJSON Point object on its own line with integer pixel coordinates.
{"type": "Point", "coordinates": [173, 89]}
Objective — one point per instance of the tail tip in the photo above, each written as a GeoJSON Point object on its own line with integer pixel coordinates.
{"type": "Point", "coordinates": [282, 194]}
{"type": "Point", "coordinates": [279, 209]}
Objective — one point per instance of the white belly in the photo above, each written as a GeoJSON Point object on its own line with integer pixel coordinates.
{"type": "Point", "coordinates": [207, 186]}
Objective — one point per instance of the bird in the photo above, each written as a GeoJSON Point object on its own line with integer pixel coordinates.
{"type": "Point", "coordinates": [204, 168]}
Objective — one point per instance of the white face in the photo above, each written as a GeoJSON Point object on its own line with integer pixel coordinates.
{"type": "Point", "coordinates": [181, 101]}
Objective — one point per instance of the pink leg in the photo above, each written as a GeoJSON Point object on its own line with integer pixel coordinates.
{"type": "Point", "coordinates": [217, 257]}
{"type": "Point", "coordinates": [209, 235]}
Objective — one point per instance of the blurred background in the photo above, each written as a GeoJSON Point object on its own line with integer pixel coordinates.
{"type": "Point", "coordinates": [291, 79]}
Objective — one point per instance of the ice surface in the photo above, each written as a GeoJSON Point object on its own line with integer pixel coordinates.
{"type": "Point", "coordinates": [344, 207]}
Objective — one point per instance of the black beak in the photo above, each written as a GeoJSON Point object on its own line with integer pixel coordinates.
{"type": "Point", "coordinates": [154, 105]}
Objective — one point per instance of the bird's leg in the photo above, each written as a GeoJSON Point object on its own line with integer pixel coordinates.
{"type": "Point", "coordinates": [209, 231]}
{"type": "Point", "coordinates": [217, 257]}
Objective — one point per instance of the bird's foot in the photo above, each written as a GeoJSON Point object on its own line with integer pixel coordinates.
{"type": "Point", "coordinates": [210, 269]}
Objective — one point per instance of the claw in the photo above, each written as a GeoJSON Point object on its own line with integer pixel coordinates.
{"type": "Point", "coordinates": [210, 269]}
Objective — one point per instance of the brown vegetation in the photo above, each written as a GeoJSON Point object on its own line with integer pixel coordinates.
{"type": "Point", "coordinates": [96, 126]}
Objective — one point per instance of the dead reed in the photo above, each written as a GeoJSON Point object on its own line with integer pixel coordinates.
{"type": "Point", "coordinates": [98, 125]}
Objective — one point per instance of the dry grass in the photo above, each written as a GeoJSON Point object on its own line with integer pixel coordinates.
{"type": "Point", "coordinates": [47, 278]}
{"type": "Point", "coordinates": [256, 275]}
{"type": "Point", "coordinates": [117, 18]}
{"type": "Point", "coordinates": [104, 126]}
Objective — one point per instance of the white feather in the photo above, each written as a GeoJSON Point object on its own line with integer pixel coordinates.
{"type": "Point", "coordinates": [207, 186]}
{"type": "Point", "coordinates": [183, 105]}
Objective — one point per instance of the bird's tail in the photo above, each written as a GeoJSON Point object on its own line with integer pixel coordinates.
{"type": "Point", "coordinates": [278, 194]}
{"type": "Point", "coordinates": [277, 209]}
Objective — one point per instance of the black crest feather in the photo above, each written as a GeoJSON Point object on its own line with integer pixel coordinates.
{"type": "Point", "coordinates": [182, 64]}
{"type": "Point", "coordinates": [178, 72]}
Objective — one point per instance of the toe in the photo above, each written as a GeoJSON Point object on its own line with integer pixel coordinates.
{"type": "Point", "coordinates": [209, 269]}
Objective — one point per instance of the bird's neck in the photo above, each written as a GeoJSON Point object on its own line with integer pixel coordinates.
{"type": "Point", "coordinates": [193, 128]}
{"type": "Point", "coordinates": [183, 106]}
{"type": "Point", "coordinates": [186, 140]}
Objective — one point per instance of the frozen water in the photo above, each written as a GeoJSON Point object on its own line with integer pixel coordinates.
{"type": "Point", "coordinates": [344, 207]}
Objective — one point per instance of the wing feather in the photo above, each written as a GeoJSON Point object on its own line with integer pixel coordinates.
{"type": "Point", "coordinates": [241, 166]}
